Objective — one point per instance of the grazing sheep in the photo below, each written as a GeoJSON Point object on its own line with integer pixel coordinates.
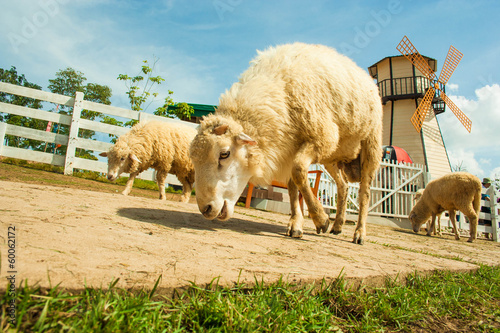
{"type": "Point", "coordinates": [452, 192]}
{"type": "Point", "coordinates": [296, 105]}
{"type": "Point", "coordinates": [418, 195]}
{"type": "Point", "coordinates": [158, 145]}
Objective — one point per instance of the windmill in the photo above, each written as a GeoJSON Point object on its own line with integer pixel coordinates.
{"type": "Point", "coordinates": [437, 84]}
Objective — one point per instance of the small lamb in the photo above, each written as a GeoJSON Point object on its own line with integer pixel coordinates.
{"type": "Point", "coordinates": [436, 230]}
{"type": "Point", "coordinates": [452, 192]}
{"type": "Point", "coordinates": [159, 145]}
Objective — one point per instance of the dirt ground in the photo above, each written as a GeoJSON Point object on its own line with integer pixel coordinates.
{"type": "Point", "coordinates": [76, 237]}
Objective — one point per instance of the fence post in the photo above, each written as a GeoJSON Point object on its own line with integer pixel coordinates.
{"type": "Point", "coordinates": [73, 134]}
{"type": "Point", "coordinates": [494, 213]}
{"type": "Point", "coordinates": [3, 128]}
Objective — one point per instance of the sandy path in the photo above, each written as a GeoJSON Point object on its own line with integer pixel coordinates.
{"type": "Point", "coordinates": [75, 237]}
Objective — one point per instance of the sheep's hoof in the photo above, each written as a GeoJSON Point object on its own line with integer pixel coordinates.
{"type": "Point", "coordinates": [335, 230]}
{"type": "Point", "coordinates": [470, 240]}
{"type": "Point", "coordinates": [294, 233]}
{"type": "Point", "coordinates": [358, 240]}
{"type": "Point", "coordinates": [324, 227]}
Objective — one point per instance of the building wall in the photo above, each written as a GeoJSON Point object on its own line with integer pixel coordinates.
{"type": "Point", "coordinates": [438, 163]}
{"type": "Point", "coordinates": [401, 67]}
{"type": "Point", "coordinates": [383, 70]}
{"type": "Point", "coordinates": [404, 134]}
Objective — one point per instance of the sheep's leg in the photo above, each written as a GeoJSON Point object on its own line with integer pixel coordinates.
{"type": "Point", "coordinates": [300, 168]}
{"type": "Point", "coordinates": [130, 183]}
{"type": "Point", "coordinates": [369, 163]}
{"type": "Point", "coordinates": [438, 225]}
{"type": "Point", "coordinates": [342, 191]}
{"type": "Point", "coordinates": [454, 223]}
{"type": "Point", "coordinates": [432, 227]}
{"type": "Point", "coordinates": [161, 176]}
{"type": "Point", "coordinates": [186, 190]}
{"type": "Point", "coordinates": [473, 218]}
{"type": "Point", "coordinates": [296, 220]}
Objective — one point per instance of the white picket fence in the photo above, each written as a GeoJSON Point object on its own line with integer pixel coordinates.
{"type": "Point", "coordinates": [392, 190]}
{"type": "Point", "coordinates": [70, 161]}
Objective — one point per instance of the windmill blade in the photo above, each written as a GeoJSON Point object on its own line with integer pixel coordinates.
{"type": "Point", "coordinates": [452, 59]}
{"type": "Point", "coordinates": [460, 115]}
{"type": "Point", "coordinates": [418, 117]}
{"type": "Point", "coordinates": [410, 52]}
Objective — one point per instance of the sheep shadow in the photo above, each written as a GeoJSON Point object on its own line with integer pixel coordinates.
{"type": "Point", "coordinates": [186, 220]}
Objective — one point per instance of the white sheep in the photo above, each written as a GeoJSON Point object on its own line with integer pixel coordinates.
{"type": "Point", "coordinates": [436, 230]}
{"type": "Point", "coordinates": [452, 192]}
{"type": "Point", "coordinates": [296, 105]}
{"type": "Point", "coordinates": [156, 144]}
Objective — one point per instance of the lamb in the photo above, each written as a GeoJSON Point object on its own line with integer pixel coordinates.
{"type": "Point", "coordinates": [296, 105]}
{"type": "Point", "coordinates": [452, 192]}
{"type": "Point", "coordinates": [437, 227]}
{"type": "Point", "coordinates": [156, 144]}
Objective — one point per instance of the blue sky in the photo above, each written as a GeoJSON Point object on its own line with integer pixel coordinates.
{"type": "Point", "coordinates": [203, 46]}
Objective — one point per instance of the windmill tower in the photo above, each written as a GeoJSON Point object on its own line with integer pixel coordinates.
{"type": "Point", "coordinates": [412, 96]}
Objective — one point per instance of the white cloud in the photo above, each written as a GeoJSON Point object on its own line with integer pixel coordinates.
{"type": "Point", "coordinates": [479, 150]}
{"type": "Point", "coordinates": [452, 87]}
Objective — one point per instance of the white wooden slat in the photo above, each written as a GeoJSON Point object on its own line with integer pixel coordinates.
{"type": "Point", "coordinates": [34, 113]}
{"type": "Point", "coordinates": [93, 144]}
{"type": "Point", "coordinates": [29, 133]}
{"type": "Point", "coordinates": [36, 94]}
{"type": "Point", "coordinates": [110, 110]}
{"type": "Point", "coordinates": [151, 117]}
{"type": "Point", "coordinates": [86, 164]}
{"type": "Point", "coordinates": [31, 155]}
{"type": "Point", "coordinates": [102, 127]}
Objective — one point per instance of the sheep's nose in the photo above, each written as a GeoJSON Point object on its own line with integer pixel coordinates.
{"type": "Point", "coordinates": [110, 177]}
{"type": "Point", "coordinates": [206, 211]}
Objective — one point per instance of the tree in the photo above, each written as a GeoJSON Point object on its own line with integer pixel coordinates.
{"type": "Point", "coordinates": [11, 76]}
{"type": "Point", "coordinates": [139, 96]}
{"type": "Point", "coordinates": [68, 82]}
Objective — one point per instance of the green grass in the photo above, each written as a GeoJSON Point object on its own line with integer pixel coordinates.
{"type": "Point", "coordinates": [91, 175]}
{"type": "Point", "coordinates": [442, 301]}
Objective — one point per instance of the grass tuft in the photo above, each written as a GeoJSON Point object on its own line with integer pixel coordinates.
{"type": "Point", "coordinates": [442, 301]}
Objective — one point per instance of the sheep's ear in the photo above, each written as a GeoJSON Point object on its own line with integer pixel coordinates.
{"type": "Point", "coordinates": [244, 139]}
{"type": "Point", "coordinates": [134, 158]}
{"type": "Point", "coordinates": [412, 216]}
{"type": "Point", "coordinates": [221, 129]}
{"type": "Point", "coordinates": [103, 154]}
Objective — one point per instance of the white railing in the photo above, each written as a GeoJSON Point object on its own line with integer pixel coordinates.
{"type": "Point", "coordinates": [75, 122]}
{"type": "Point", "coordinates": [392, 190]}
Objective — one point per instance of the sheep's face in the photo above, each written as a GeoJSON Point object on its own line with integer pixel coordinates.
{"type": "Point", "coordinates": [221, 170]}
{"type": "Point", "coordinates": [119, 161]}
{"type": "Point", "coordinates": [417, 221]}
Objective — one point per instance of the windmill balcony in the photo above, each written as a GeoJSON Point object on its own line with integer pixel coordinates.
{"type": "Point", "coordinates": [412, 87]}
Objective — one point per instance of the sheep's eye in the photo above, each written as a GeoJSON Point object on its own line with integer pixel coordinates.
{"type": "Point", "coordinates": [223, 155]}
{"type": "Point", "coordinates": [123, 159]}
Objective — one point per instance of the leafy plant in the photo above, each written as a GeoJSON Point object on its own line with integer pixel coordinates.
{"type": "Point", "coordinates": [141, 94]}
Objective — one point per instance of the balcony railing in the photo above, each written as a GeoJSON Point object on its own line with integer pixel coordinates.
{"type": "Point", "coordinates": [408, 87]}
